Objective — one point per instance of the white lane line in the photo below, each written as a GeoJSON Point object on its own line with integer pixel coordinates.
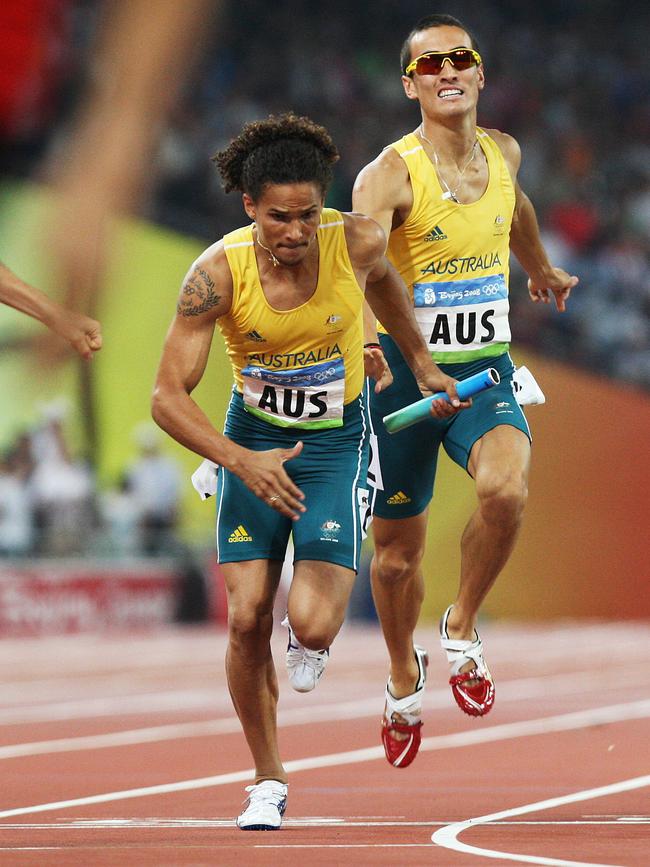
{"type": "Point", "coordinates": [130, 824]}
{"type": "Point", "coordinates": [294, 716]}
{"type": "Point", "coordinates": [447, 836]}
{"type": "Point", "coordinates": [515, 690]}
{"type": "Point", "coordinates": [293, 822]}
{"type": "Point", "coordinates": [344, 846]}
{"type": "Point", "coordinates": [164, 656]}
{"type": "Point", "coordinates": [525, 728]}
{"type": "Point", "coordinates": [86, 684]}
{"type": "Point", "coordinates": [111, 706]}
{"type": "Point", "coordinates": [153, 734]}
{"type": "Point", "coordinates": [259, 846]}
{"type": "Point", "coordinates": [565, 683]}
{"type": "Point", "coordinates": [559, 723]}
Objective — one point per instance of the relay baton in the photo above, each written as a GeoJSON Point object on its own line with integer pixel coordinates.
{"type": "Point", "coordinates": [419, 411]}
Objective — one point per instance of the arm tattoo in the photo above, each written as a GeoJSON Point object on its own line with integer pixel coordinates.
{"type": "Point", "coordinates": [197, 294]}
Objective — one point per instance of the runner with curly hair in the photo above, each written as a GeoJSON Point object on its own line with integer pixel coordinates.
{"type": "Point", "coordinates": [287, 293]}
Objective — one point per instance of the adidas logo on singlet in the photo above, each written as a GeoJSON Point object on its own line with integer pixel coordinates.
{"type": "Point", "coordinates": [398, 498]}
{"type": "Point", "coordinates": [436, 234]}
{"type": "Point", "coordinates": [255, 335]}
{"type": "Point", "coordinates": [240, 535]}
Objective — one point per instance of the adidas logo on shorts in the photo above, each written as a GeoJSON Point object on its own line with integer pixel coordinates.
{"type": "Point", "coordinates": [398, 498]}
{"type": "Point", "coordinates": [240, 535]}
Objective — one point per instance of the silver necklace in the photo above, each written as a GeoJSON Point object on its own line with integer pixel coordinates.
{"type": "Point", "coordinates": [449, 193]}
{"type": "Point", "coordinates": [275, 261]}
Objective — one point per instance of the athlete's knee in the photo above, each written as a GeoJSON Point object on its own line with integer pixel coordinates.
{"type": "Point", "coordinates": [249, 623]}
{"type": "Point", "coordinates": [502, 497]}
{"type": "Point", "coordinates": [316, 624]}
{"type": "Point", "coordinates": [397, 563]}
{"type": "Point", "coordinates": [317, 632]}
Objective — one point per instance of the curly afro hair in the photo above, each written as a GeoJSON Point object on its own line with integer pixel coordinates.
{"type": "Point", "coordinates": [282, 149]}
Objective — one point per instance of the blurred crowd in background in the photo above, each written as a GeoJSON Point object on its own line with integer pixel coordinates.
{"type": "Point", "coordinates": [51, 505]}
{"type": "Point", "coordinates": [569, 79]}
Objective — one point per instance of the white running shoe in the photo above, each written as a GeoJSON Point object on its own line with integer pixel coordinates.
{"type": "Point", "coordinates": [304, 667]}
{"type": "Point", "coordinates": [265, 807]}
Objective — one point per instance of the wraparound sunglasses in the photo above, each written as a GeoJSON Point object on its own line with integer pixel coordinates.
{"type": "Point", "coordinates": [432, 62]}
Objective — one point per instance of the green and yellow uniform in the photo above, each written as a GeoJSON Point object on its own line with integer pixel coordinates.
{"type": "Point", "coordinates": [454, 259]}
{"type": "Point", "coordinates": [298, 375]}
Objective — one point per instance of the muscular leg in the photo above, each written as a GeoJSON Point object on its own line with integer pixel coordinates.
{"type": "Point", "coordinates": [252, 680]}
{"type": "Point", "coordinates": [398, 591]}
{"type": "Point", "coordinates": [317, 602]}
{"type": "Point", "coordinates": [499, 463]}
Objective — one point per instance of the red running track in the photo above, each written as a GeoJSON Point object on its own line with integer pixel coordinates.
{"type": "Point", "coordinates": [124, 750]}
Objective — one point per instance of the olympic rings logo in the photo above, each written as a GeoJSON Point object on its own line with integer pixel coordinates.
{"type": "Point", "coordinates": [323, 375]}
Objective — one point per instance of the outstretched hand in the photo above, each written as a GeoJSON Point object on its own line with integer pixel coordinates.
{"type": "Point", "coordinates": [376, 367]}
{"type": "Point", "coordinates": [559, 283]}
{"type": "Point", "coordinates": [264, 474]}
{"type": "Point", "coordinates": [82, 333]}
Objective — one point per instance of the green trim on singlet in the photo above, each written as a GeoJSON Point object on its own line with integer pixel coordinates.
{"type": "Point", "coordinates": [461, 357]}
{"type": "Point", "coordinates": [278, 422]}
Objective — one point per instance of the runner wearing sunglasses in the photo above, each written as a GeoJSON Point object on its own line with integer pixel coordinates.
{"type": "Point", "coordinates": [447, 196]}
{"type": "Point", "coordinates": [286, 291]}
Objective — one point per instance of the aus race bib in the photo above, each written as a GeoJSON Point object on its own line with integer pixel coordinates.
{"type": "Point", "coordinates": [304, 397]}
{"type": "Point", "coordinates": [463, 319]}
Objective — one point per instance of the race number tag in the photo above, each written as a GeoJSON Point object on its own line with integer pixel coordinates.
{"type": "Point", "coordinates": [463, 316]}
{"type": "Point", "coordinates": [304, 397]}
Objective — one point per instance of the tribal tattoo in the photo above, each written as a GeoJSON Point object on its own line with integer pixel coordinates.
{"type": "Point", "coordinates": [197, 294]}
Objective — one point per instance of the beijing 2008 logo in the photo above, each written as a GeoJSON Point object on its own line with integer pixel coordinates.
{"type": "Point", "coordinates": [429, 296]}
{"type": "Point", "coordinates": [329, 531]}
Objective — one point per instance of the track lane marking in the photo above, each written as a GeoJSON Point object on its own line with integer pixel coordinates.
{"type": "Point", "coordinates": [90, 708]}
{"type": "Point", "coordinates": [46, 711]}
{"type": "Point", "coordinates": [292, 822]}
{"type": "Point", "coordinates": [524, 728]}
{"type": "Point", "coordinates": [513, 690]}
{"type": "Point", "coordinates": [447, 837]}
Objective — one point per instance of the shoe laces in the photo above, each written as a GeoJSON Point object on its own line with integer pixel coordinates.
{"type": "Point", "coordinates": [311, 658]}
{"type": "Point", "coordinates": [297, 653]}
{"type": "Point", "coordinates": [315, 657]}
{"type": "Point", "coordinates": [403, 714]}
{"type": "Point", "coordinates": [266, 795]}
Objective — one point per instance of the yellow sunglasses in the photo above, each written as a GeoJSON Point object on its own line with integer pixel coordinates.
{"type": "Point", "coordinates": [431, 62]}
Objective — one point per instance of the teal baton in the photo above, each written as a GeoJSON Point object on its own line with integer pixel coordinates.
{"type": "Point", "coordinates": [420, 410]}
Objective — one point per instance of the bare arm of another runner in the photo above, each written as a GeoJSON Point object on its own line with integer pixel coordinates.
{"type": "Point", "coordinates": [377, 188]}
{"type": "Point", "coordinates": [389, 300]}
{"type": "Point", "coordinates": [142, 55]}
{"type": "Point", "coordinates": [374, 360]}
{"type": "Point", "coordinates": [525, 239]}
{"type": "Point", "coordinates": [205, 295]}
{"type": "Point", "coordinates": [81, 332]}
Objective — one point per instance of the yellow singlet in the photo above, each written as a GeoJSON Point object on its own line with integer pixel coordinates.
{"type": "Point", "coordinates": [454, 258]}
{"type": "Point", "coordinates": [298, 367]}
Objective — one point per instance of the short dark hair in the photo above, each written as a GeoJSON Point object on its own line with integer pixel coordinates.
{"type": "Point", "coordinates": [426, 23]}
{"type": "Point", "coordinates": [282, 149]}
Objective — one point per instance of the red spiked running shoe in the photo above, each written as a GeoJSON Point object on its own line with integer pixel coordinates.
{"type": "Point", "coordinates": [401, 723]}
{"type": "Point", "coordinates": [473, 690]}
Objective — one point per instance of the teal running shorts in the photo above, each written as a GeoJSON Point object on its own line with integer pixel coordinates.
{"type": "Point", "coordinates": [408, 459]}
{"type": "Point", "coordinates": [331, 471]}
